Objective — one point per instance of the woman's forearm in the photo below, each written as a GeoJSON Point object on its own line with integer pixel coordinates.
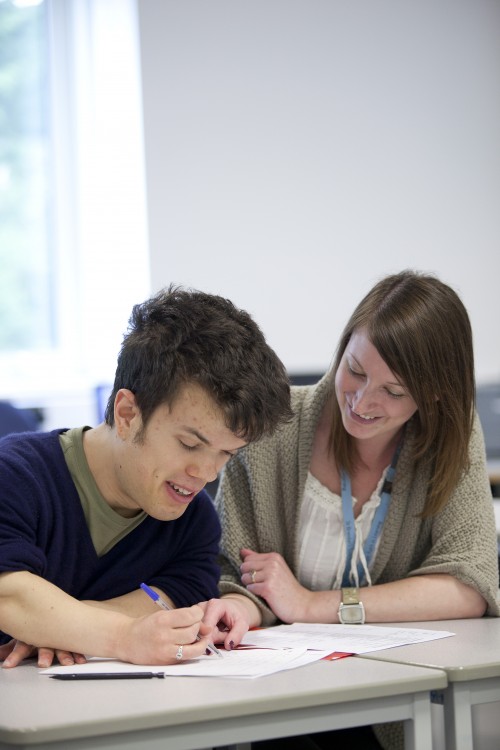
{"type": "Point", "coordinates": [425, 597]}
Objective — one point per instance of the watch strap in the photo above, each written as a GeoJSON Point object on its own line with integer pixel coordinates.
{"type": "Point", "coordinates": [350, 596]}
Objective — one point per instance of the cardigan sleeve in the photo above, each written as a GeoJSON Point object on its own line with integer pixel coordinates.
{"type": "Point", "coordinates": [236, 511]}
{"type": "Point", "coordinates": [261, 489]}
{"type": "Point", "coordinates": [463, 535]}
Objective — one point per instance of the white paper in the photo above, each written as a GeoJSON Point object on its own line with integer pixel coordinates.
{"type": "Point", "coordinates": [253, 662]}
{"type": "Point", "coordinates": [350, 639]}
{"type": "Point", "coordinates": [278, 648]}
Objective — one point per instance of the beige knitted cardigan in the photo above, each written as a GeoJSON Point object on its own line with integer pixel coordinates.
{"type": "Point", "coordinates": [261, 492]}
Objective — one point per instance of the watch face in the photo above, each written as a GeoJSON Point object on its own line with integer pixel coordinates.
{"type": "Point", "coordinates": [352, 614]}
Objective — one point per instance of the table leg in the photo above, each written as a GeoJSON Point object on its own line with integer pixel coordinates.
{"type": "Point", "coordinates": [458, 717]}
{"type": "Point", "coordinates": [418, 731]}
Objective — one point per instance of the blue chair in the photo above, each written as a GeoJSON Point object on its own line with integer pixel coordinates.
{"type": "Point", "coordinates": [13, 419]}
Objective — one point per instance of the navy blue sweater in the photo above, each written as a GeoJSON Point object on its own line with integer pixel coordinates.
{"type": "Point", "coordinates": [43, 530]}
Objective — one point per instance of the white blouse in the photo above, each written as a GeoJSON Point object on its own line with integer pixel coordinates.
{"type": "Point", "coordinates": [322, 546]}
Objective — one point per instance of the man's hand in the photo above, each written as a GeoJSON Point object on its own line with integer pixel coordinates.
{"type": "Point", "coordinates": [157, 638]}
{"type": "Point", "coordinates": [14, 652]}
{"type": "Point", "coordinates": [36, 612]}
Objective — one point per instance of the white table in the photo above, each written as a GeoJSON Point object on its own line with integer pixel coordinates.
{"type": "Point", "coordinates": [471, 660]}
{"type": "Point", "coordinates": [185, 713]}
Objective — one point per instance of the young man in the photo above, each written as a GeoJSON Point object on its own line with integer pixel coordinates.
{"type": "Point", "coordinates": [87, 514]}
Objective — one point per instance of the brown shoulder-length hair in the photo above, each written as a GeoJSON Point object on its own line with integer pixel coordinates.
{"type": "Point", "coordinates": [422, 331]}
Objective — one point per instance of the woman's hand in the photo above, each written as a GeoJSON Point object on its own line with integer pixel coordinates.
{"type": "Point", "coordinates": [267, 575]}
{"type": "Point", "coordinates": [229, 618]}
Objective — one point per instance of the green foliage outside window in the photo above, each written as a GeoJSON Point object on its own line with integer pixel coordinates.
{"type": "Point", "coordinates": [25, 178]}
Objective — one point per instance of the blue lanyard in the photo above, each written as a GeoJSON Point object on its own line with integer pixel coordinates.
{"type": "Point", "coordinates": [377, 523]}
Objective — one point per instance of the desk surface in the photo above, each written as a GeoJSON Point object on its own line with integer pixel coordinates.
{"type": "Point", "coordinates": [472, 653]}
{"type": "Point", "coordinates": [471, 660]}
{"type": "Point", "coordinates": [35, 709]}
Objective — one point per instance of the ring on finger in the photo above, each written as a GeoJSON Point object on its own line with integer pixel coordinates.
{"type": "Point", "coordinates": [178, 655]}
{"type": "Point", "coordinates": [252, 575]}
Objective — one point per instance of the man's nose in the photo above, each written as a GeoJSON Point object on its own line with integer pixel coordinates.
{"type": "Point", "coordinates": [205, 470]}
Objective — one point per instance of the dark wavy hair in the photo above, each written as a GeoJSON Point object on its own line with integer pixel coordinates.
{"type": "Point", "coordinates": [181, 336]}
{"type": "Point", "coordinates": [422, 331]}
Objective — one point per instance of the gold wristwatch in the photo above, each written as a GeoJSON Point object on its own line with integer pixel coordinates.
{"type": "Point", "coordinates": [351, 610]}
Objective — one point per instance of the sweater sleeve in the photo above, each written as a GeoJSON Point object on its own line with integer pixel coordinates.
{"type": "Point", "coordinates": [260, 492]}
{"type": "Point", "coordinates": [463, 537]}
{"type": "Point", "coordinates": [28, 508]}
{"type": "Point", "coordinates": [191, 574]}
{"type": "Point", "coordinates": [234, 504]}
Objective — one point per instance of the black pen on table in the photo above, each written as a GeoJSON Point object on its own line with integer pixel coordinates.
{"type": "Point", "coordinates": [106, 675]}
{"type": "Point", "coordinates": [163, 604]}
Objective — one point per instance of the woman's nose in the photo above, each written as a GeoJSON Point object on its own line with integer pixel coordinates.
{"type": "Point", "coordinates": [363, 400]}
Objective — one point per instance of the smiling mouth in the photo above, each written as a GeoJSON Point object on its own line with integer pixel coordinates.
{"type": "Point", "coordinates": [180, 490]}
{"type": "Point", "coordinates": [365, 417]}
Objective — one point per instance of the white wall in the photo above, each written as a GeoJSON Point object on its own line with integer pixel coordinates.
{"type": "Point", "coordinates": [297, 150]}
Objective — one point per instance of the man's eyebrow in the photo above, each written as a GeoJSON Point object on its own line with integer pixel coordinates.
{"type": "Point", "coordinates": [197, 434]}
{"type": "Point", "coordinates": [206, 441]}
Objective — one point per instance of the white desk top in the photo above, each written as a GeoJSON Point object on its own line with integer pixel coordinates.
{"type": "Point", "coordinates": [37, 709]}
{"type": "Point", "coordinates": [472, 653]}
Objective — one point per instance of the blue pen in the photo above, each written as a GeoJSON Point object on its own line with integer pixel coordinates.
{"type": "Point", "coordinates": [163, 604]}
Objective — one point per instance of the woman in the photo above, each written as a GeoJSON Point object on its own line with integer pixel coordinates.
{"type": "Point", "coordinates": [373, 503]}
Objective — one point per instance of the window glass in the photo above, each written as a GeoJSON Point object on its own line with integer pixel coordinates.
{"type": "Point", "coordinates": [25, 178]}
{"type": "Point", "coordinates": [73, 230]}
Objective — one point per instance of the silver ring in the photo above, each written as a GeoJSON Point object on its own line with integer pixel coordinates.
{"type": "Point", "coordinates": [252, 576]}
{"type": "Point", "coordinates": [178, 655]}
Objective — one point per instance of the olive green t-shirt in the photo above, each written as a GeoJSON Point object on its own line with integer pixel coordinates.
{"type": "Point", "coordinates": [105, 525]}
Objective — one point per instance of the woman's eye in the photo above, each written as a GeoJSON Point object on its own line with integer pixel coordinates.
{"type": "Point", "coordinates": [353, 372]}
{"type": "Point", "coordinates": [395, 395]}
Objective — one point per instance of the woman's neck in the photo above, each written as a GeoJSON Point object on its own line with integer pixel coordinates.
{"type": "Point", "coordinates": [375, 454]}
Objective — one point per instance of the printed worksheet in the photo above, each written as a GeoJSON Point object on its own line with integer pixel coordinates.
{"type": "Point", "coordinates": [252, 662]}
{"type": "Point", "coordinates": [269, 650]}
{"type": "Point", "coordinates": [351, 639]}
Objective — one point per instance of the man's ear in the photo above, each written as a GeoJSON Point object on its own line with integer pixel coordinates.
{"type": "Point", "coordinates": [126, 411]}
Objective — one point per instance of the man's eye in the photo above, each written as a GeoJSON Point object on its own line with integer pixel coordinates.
{"type": "Point", "coordinates": [188, 447]}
